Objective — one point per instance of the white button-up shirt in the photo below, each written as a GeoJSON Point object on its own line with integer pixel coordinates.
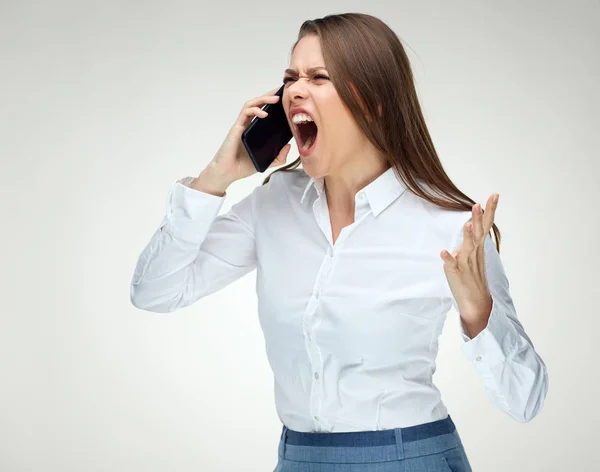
{"type": "Point", "coordinates": [351, 328]}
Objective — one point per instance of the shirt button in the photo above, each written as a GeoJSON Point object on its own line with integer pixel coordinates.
{"type": "Point", "coordinates": [478, 358]}
{"type": "Point", "coordinates": [308, 336]}
{"type": "Point", "coordinates": [317, 295]}
{"type": "Point", "coordinates": [361, 196]}
{"type": "Point", "coordinates": [316, 418]}
{"type": "Point", "coordinates": [317, 375]}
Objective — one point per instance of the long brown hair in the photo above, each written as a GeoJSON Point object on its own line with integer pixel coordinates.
{"type": "Point", "coordinates": [369, 69]}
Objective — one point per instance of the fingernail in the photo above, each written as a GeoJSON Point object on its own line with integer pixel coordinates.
{"type": "Point", "coordinates": [496, 198]}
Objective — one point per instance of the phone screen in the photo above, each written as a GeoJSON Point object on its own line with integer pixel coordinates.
{"type": "Point", "coordinates": [264, 137]}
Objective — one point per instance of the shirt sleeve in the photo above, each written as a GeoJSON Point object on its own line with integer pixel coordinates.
{"type": "Point", "coordinates": [513, 373]}
{"type": "Point", "coordinates": [194, 252]}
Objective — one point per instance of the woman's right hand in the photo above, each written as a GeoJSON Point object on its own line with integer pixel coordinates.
{"type": "Point", "coordinates": [232, 161]}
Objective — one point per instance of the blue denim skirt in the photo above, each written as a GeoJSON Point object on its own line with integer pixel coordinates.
{"type": "Point", "coordinates": [429, 447]}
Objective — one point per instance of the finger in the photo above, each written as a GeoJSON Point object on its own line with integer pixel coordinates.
{"type": "Point", "coordinates": [477, 221]}
{"type": "Point", "coordinates": [490, 213]}
{"type": "Point", "coordinates": [272, 92]}
{"type": "Point", "coordinates": [468, 243]}
{"type": "Point", "coordinates": [260, 101]}
{"type": "Point", "coordinates": [255, 111]}
{"type": "Point", "coordinates": [282, 156]}
{"type": "Point", "coordinates": [247, 114]}
{"type": "Point", "coordinates": [457, 252]}
{"type": "Point", "coordinates": [450, 262]}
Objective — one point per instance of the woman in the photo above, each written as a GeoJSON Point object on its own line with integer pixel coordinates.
{"type": "Point", "coordinates": [353, 283]}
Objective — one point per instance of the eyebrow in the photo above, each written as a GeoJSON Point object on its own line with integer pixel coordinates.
{"type": "Point", "coordinates": [310, 71]}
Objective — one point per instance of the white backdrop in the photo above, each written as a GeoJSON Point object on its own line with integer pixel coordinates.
{"type": "Point", "coordinates": [105, 104]}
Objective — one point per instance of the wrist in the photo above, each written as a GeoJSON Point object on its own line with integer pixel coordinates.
{"type": "Point", "coordinates": [209, 182]}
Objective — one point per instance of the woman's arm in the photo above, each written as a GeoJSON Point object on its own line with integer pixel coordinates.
{"type": "Point", "coordinates": [194, 252]}
{"type": "Point", "coordinates": [513, 373]}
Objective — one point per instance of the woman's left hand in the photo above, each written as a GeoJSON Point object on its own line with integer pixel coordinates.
{"type": "Point", "coordinates": [465, 270]}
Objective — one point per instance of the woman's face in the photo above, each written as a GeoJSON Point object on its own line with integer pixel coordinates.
{"type": "Point", "coordinates": [338, 138]}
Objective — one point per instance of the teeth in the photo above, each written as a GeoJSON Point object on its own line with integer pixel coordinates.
{"type": "Point", "coordinates": [301, 118]}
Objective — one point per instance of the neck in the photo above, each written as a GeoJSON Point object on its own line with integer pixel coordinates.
{"type": "Point", "coordinates": [341, 187]}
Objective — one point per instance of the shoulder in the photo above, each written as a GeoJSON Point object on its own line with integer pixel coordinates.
{"type": "Point", "coordinates": [283, 190]}
{"type": "Point", "coordinates": [286, 184]}
{"type": "Point", "coordinates": [447, 223]}
{"type": "Point", "coordinates": [291, 177]}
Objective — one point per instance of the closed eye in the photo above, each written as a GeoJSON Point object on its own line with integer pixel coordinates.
{"type": "Point", "coordinates": [318, 76]}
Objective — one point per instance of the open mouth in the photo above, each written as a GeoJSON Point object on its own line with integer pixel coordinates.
{"type": "Point", "coordinates": [306, 133]}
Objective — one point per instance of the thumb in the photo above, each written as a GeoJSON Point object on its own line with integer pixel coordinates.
{"type": "Point", "coordinates": [282, 156]}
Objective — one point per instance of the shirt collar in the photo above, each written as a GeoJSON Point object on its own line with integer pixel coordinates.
{"type": "Point", "coordinates": [379, 194]}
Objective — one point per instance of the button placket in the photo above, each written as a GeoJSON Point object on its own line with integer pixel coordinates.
{"type": "Point", "coordinates": [314, 354]}
{"type": "Point", "coordinates": [312, 348]}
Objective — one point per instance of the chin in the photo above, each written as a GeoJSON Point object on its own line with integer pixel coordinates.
{"type": "Point", "coordinates": [312, 167]}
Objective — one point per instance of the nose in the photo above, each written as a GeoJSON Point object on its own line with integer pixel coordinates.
{"type": "Point", "coordinates": [296, 90]}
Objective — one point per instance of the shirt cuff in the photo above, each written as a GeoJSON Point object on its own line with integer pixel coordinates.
{"type": "Point", "coordinates": [190, 212]}
{"type": "Point", "coordinates": [493, 345]}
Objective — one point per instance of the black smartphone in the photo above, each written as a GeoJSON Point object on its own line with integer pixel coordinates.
{"type": "Point", "coordinates": [264, 137]}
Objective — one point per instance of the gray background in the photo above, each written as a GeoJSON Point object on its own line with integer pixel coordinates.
{"type": "Point", "coordinates": [105, 104]}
